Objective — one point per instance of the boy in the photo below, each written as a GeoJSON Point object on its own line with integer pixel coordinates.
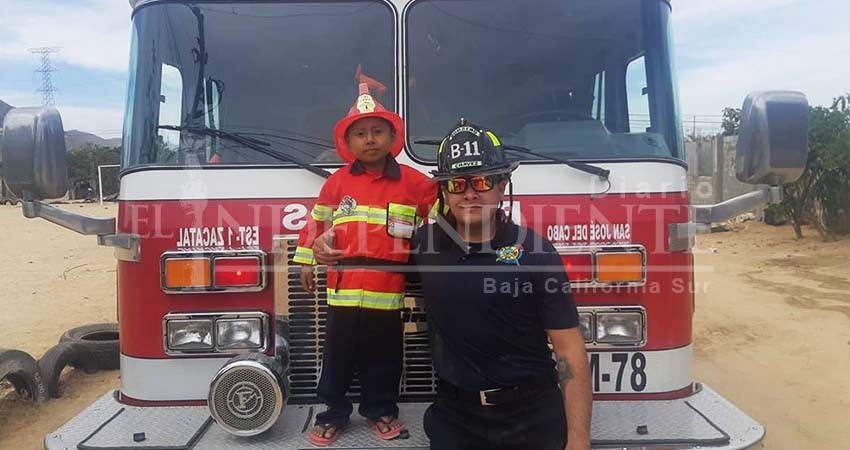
{"type": "Point", "coordinates": [373, 205]}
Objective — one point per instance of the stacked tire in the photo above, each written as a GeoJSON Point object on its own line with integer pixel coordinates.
{"type": "Point", "coordinates": [22, 371]}
{"type": "Point", "coordinates": [89, 347]}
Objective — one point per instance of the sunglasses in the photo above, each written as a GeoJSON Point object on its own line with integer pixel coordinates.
{"type": "Point", "coordinates": [479, 183]}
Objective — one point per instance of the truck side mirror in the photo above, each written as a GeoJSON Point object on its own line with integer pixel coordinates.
{"type": "Point", "coordinates": [774, 138]}
{"type": "Point", "coordinates": [33, 153]}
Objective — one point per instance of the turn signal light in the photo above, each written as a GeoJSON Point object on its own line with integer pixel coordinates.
{"type": "Point", "coordinates": [187, 273]}
{"type": "Point", "coordinates": [617, 267]}
{"type": "Point", "coordinates": [237, 271]}
{"type": "Point", "coordinates": [579, 266]}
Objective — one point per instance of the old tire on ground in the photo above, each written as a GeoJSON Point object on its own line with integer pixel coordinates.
{"type": "Point", "coordinates": [101, 339]}
{"type": "Point", "coordinates": [21, 370]}
{"type": "Point", "coordinates": [61, 355]}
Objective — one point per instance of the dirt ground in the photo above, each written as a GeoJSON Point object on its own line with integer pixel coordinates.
{"type": "Point", "coordinates": [772, 326]}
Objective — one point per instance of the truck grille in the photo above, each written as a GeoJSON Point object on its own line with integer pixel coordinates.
{"type": "Point", "coordinates": [307, 313]}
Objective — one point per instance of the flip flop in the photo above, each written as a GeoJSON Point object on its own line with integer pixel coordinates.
{"type": "Point", "coordinates": [322, 440]}
{"type": "Point", "coordinates": [396, 428]}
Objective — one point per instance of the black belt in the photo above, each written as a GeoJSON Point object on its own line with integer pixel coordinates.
{"type": "Point", "coordinates": [493, 397]}
{"type": "Point", "coordinates": [363, 262]}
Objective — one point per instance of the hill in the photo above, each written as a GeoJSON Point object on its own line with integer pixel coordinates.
{"type": "Point", "coordinates": [75, 139]}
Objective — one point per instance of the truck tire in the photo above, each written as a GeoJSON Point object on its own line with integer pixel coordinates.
{"type": "Point", "coordinates": [21, 370]}
{"type": "Point", "coordinates": [60, 355]}
{"type": "Point", "coordinates": [101, 339]}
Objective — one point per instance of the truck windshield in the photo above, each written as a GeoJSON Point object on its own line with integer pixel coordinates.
{"type": "Point", "coordinates": [588, 79]}
{"type": "Point", "coordinates": [283, 73]}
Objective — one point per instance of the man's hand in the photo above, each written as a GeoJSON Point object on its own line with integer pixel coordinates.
{"type": "Point", "coordinates": [308, 281]}
{"type": "Point", "coordinates": [323, 249]}
{"type": "Point", "coordinates": [574, 378]}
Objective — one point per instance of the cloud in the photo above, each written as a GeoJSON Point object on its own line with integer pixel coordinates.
{"type": "Point", "coordinates": [788, 45]}
{"type": "Point", "coordinates": [809, 65]}
{"type": "Point", "coordinates": [92, 33]}
{"type": "Point", "coordinates": [102, 121]}
{"type": "Point", "coordinates": [702, 10]}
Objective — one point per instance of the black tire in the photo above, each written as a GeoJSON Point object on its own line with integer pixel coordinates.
{"type": "Point", "coordinates": [20, 369]}
{"type": "Point", "coordinates": [101, 339]}
{"type": "Point", "coordinates": [61, 355]}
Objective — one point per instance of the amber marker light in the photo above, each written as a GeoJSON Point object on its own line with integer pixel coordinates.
{"type": "Point", "coordinates": [619, 267]}
{"type": "Point", "coordinates": [182, 273]}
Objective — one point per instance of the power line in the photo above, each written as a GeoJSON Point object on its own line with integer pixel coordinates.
{"type": "Point", "coordinates": [45, 69]}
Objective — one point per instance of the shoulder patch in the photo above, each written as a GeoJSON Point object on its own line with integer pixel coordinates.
{"type": "Point", "coordinates": [509, 254]}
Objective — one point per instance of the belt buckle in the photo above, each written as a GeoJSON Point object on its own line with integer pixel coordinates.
{"type": "Point", "coordinates": [483, 396]}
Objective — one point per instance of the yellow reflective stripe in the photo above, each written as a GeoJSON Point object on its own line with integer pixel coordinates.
{"type": "Point", "coordinates": [397, 209]}
{"type": "Point", "coordinates": [304, 255]}
{"type": "Point", "coordinates": [369, 209]}
{"type": "Point", "coordinates": [442, 144]}
{"type": "Point", "coordinates": [322, 212]}
{"type": "Point", "coordinates": [494, 139]}
{"type": "Point", "coordinates": [372, 220]}
{"type": "Point", "coordinates": [375, 216]}
{"type": "Point", "coordinates": [365, 299]}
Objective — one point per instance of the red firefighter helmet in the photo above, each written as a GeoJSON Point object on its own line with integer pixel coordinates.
{"type": "Point", "coordinates": [366, 106]}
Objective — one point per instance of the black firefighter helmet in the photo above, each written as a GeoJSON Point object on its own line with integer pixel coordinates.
{"type": "Point", "coordinates": [471, 150]}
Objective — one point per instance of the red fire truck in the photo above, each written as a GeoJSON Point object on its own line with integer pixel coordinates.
{"type": "Point", "coordinates": [227, 140]}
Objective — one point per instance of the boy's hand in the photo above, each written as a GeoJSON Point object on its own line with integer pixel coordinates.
{"type": "Point", "coordinates": [308, 281]}
{"type": "Point", "coordinates": [323, 250]}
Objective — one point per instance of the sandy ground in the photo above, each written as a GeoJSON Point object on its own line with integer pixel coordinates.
{"type": "Point", "coordinates": [772, 327]}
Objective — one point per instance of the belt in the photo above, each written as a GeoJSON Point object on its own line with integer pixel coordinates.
{"type": "Point", "coordinates": [493, 397]}
{"type": "Point", "coordinates": [363, 262]}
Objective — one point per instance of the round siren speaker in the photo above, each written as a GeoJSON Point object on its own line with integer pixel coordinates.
{"type": "Point", "coordinates": [247, 395]}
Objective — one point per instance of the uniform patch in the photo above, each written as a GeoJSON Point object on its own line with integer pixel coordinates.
{"type": "Point", "coordinates": [509, 254]}
{"type": "Point", "coordinates": [346, 206]}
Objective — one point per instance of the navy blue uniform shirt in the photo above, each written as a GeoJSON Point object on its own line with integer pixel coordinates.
{"type": "Point", "coordinates": [489, 305]}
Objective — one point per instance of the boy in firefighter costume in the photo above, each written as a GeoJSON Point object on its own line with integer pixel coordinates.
{"type": "Point", "coordinates": [371, 207]}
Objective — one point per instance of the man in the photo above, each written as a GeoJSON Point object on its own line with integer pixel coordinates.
{"type": "Point", "coordinates": [494, 293]}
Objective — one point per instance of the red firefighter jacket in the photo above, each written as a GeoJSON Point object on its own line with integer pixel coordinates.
{"type": "Point", "coordinates": [373, 216]}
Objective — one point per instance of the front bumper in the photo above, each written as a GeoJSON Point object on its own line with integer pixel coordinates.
{"type": "Point", "coordinates": [702, 420]}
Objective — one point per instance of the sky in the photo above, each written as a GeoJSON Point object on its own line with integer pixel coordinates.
{"type": "Point", "coordinates": [724, 49]}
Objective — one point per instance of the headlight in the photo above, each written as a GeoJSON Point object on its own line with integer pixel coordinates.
{"type": "Point", "coordinates": [619, 327]}
{"type": "Point", "coordinates": [239, 333]}
{"type": "Point", "coordinates": [189, 335]}
{"type": "Point", "coordinates": [585, 323]}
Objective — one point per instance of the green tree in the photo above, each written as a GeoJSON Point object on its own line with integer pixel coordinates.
{"type": "Point", "coordinates": [82, 167]}
{"type": "Point", "coordinates": [820, 196]}
{"type": "Point", "coordinates": [731, 121]}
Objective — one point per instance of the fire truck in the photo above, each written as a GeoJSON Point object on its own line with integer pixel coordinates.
{"type": "Point", "coordinates": [227, 141]}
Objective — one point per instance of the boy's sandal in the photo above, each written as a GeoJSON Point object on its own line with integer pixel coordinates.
{"type": "Point", "coordinates": [389, 428]}
{"type": "Point", "coordinates": [325, 434]}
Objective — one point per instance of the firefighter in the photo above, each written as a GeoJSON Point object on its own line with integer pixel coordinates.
{"type": "Point", "coordinates": [491, 312]}
{"type": "Point", "coordinates": [371, 207]}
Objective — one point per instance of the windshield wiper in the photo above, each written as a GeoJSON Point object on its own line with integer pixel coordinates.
{"type": "Point", "coordinates": [258, 145]}
{"type": "Point", "coordinates": [578, 165]}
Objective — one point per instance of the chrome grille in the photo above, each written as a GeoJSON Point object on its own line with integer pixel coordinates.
{"type": "Point", "coordinates": [245, 399]}
{"type": "Point", "coordinates": [307, 313]}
